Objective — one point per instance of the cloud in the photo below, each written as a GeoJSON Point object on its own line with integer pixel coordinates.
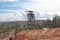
{"type": "Point", "coordinates": [13, 15]}
{"type": "Point", "coordinates": [46, 8]}
{"type": "Point", "coordinates": [38, 1]}
{"type": "Point", "coordinates": [7, 0]}
{"type": "Point", "coordinates": [52, 5]}
{"type": "Point", "coordinates": [20, 15]}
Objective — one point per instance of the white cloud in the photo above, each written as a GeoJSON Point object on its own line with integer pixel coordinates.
{"type": "Point", "coordinates": [20, 15]}
{"type": "Point", "coordinates": [50, 5]}
{"type": "Point", "coordinates": [7, 0]}
{"type": "Point", "coordinates": [11, 15]}
{"type": "Point", "coordinates": [38, 0]}
{"type": "Point", "coordinates": [46, 8]}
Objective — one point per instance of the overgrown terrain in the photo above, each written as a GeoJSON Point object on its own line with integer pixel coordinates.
{"type": "Point", "coordinates": [6, 27]}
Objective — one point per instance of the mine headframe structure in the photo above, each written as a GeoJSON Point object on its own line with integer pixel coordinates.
{"type": "Point", "coordinates": [31, 20]}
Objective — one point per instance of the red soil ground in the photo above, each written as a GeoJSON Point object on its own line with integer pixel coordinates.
{"type": "Point", "coordinates": [43, 34]}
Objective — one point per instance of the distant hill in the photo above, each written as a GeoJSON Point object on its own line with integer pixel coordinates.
{"type": "Point", "coordinates": [21, 23]}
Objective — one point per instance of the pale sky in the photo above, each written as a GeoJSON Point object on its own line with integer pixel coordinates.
{"type": "Point", "coordinates": [14, 10]}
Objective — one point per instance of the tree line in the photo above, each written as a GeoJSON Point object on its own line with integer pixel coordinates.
{"type": "Point", "coordinates": [54, 23]}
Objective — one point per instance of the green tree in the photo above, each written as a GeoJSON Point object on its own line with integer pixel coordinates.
{"type": "Point", "coordinates": [56, 21]}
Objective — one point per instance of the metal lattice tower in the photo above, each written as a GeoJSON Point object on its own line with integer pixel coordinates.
{"type": "Point", "coordinates": [31, 20]}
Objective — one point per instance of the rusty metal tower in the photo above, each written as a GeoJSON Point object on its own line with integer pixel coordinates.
{"type": "Point", "coordinates": [31, 20]}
